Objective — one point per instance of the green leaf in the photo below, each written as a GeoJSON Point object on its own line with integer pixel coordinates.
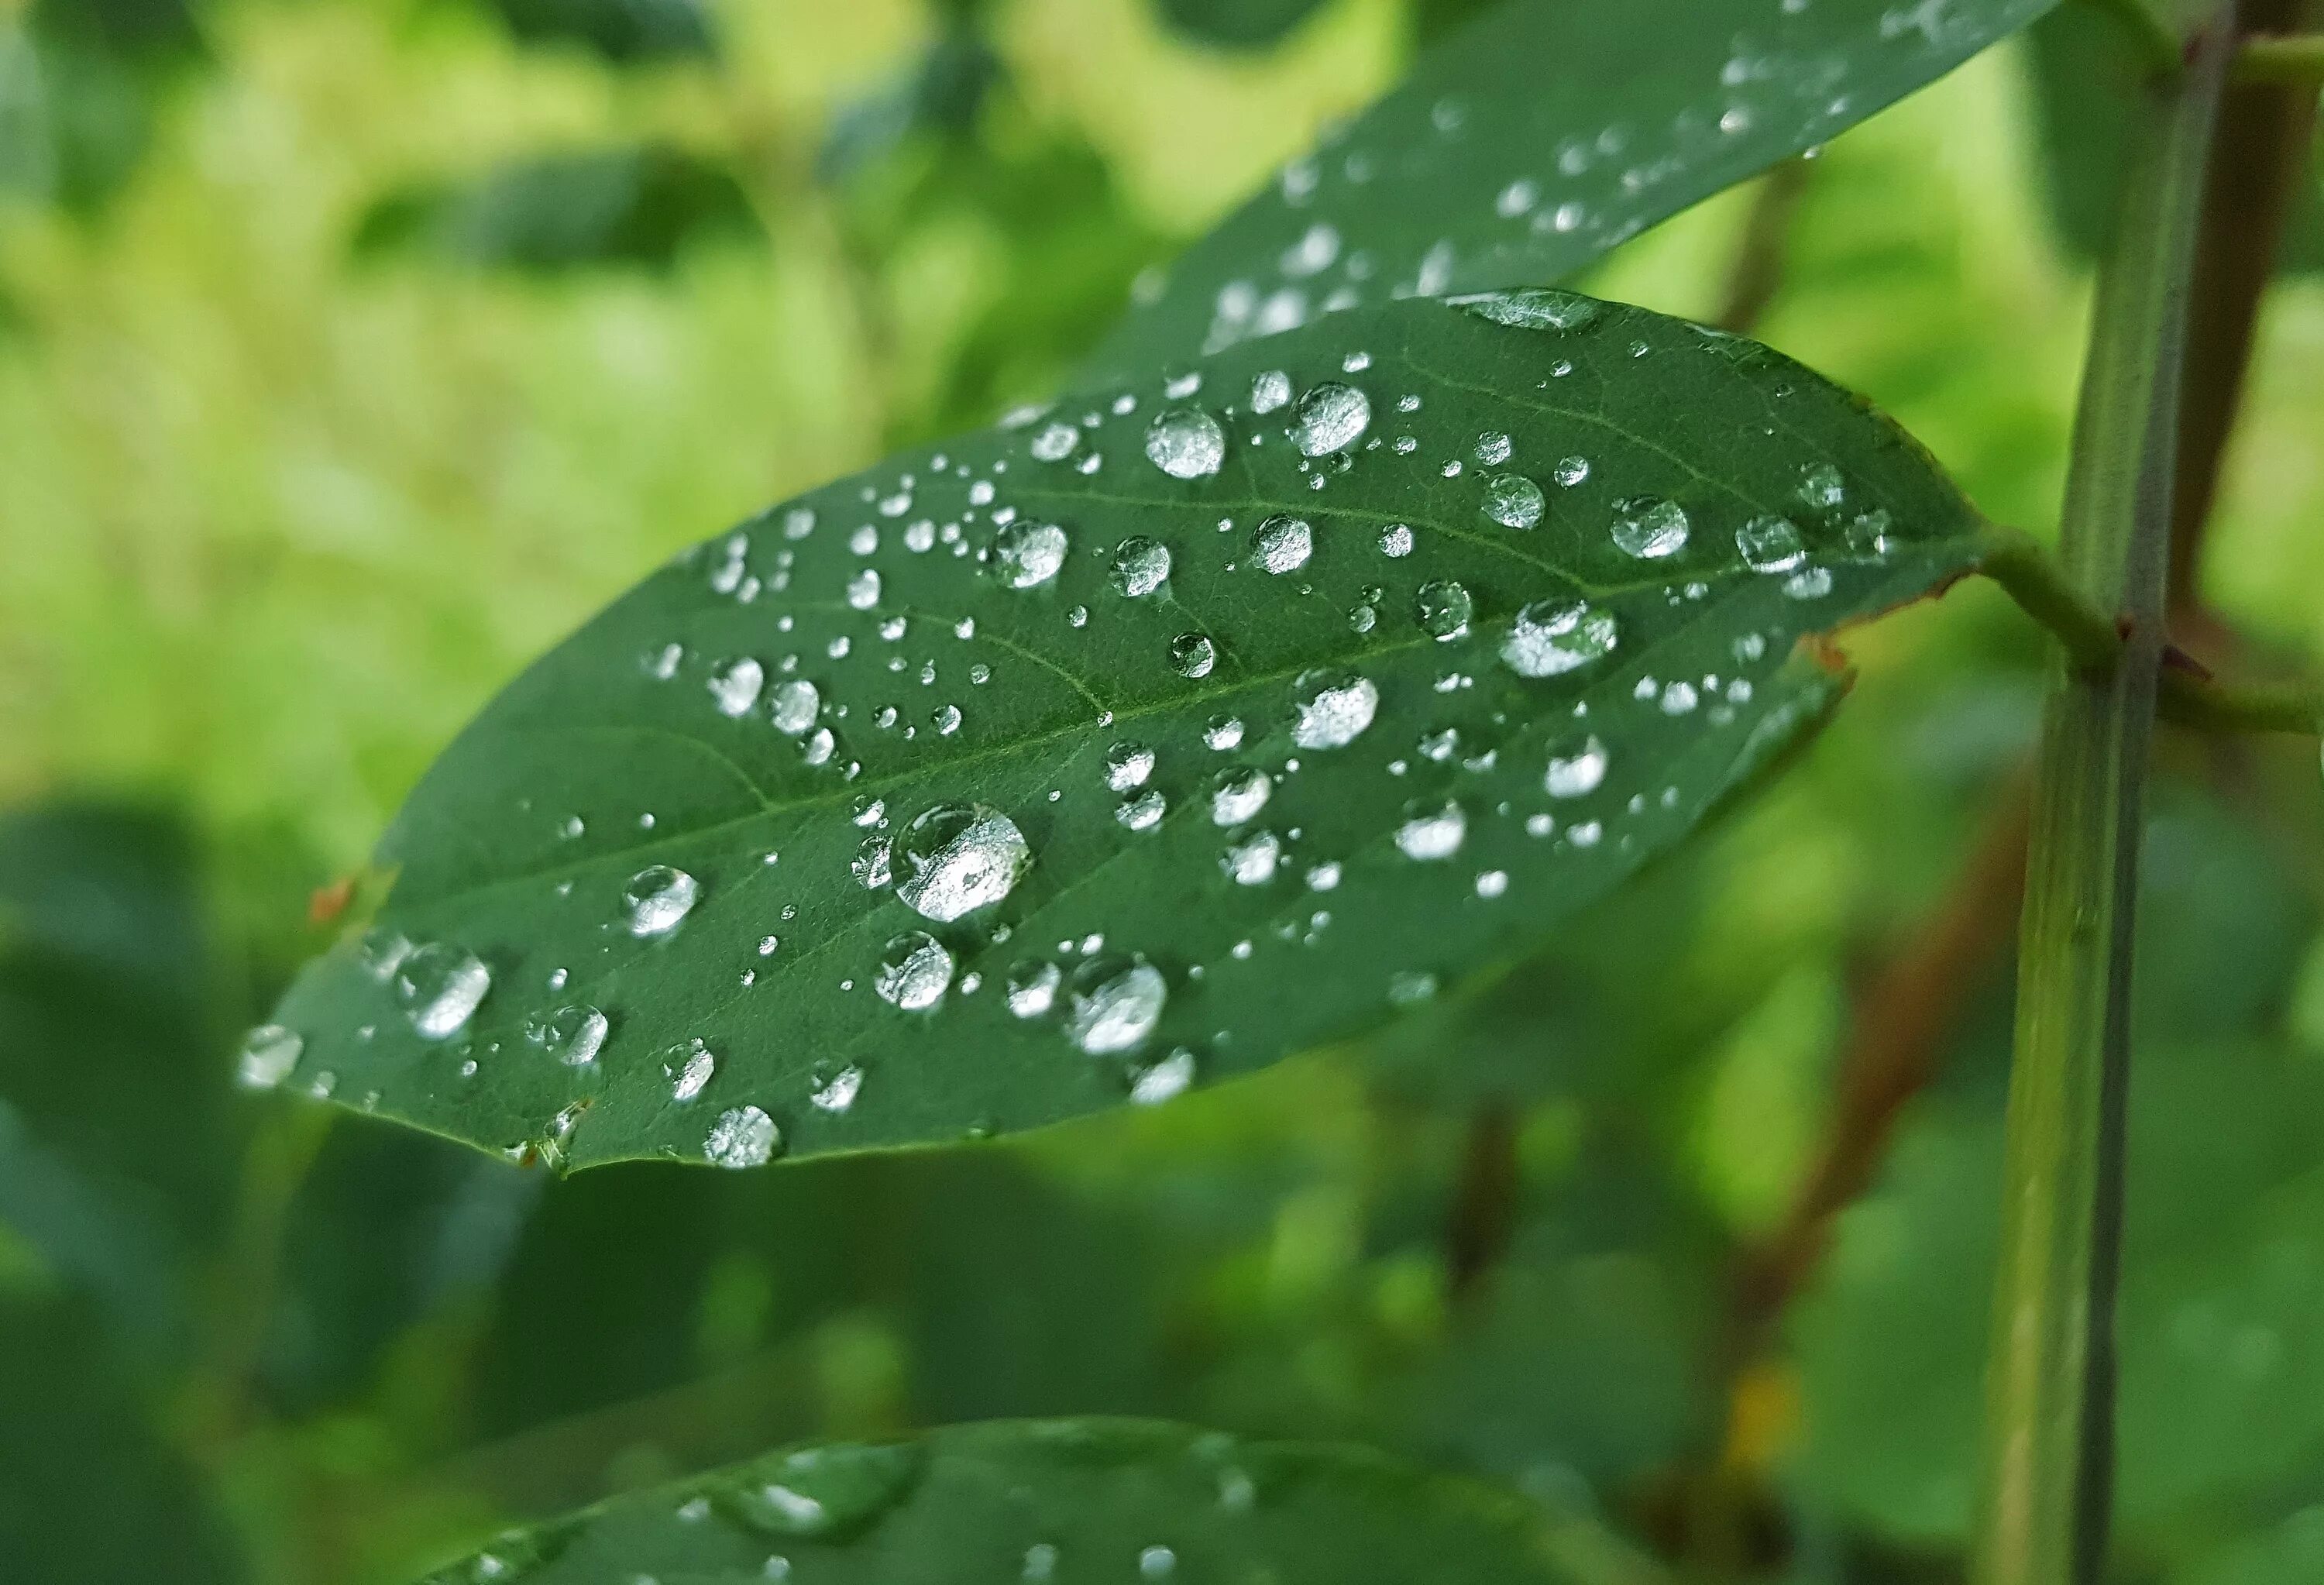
{"type": "Point", "coordinates": [938, 94]}
{"type": "Point", "coordinates": [2087, 70]}
{"type": "Point", "coordinates": [1533, 140]}
{"type": "Point", "coordinates": [1235, 25]}
{"type": "Point", "coordinates": [621, 30]}
{"type": "Point", "coordinates": [820, 837]}
{"type": "Point", "coordinates": [639, 205]}
{"type": "Point", "coordinates": [1029, 1499]}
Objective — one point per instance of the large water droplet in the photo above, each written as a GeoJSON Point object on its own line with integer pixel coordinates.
{"type": "Point", "coordinates": [1192, 655]}
{"type": "Point", "coordinates": [1555, 636]}
{"type": "Point", "coordinates": [1575, 770]}
{"type": "Point", "coordinates": [1165, 1081]}
{"type": "Point", "coordinates": [1186, 443]}
{"type": "Point", "coordinates": [572, 1035]}
{"type": "Point", "coordinates": [1330, 417]}
{"type": "Point", "coordinates": [1284, 543]}
{"type": "Point", "coordinates": [440, 986]}
{"type": "Point", "coordinates": [1113, 1003]}
{"type": "Point", "coordinates": [1822, 487]}
{"type": "Point", "coordinates": [1029, 554]}
{"type": "Point", "coordinates": [863, 589]}
{"type": "Point", "coordinates": [1238, 793]}
{"type": "Point", "coordinates": [735, 686]}
{"type": "Point", "coordinates": [657, 899]}
{"type": "Point", "coordinates": [688, 1066]}
{"type": "Point", "coordinates": [1513, 500]}
{"type": "Point", "coordinates": [1432, 832]}
{"type": "Point", "coordinates": [1140, 567]}
{"type": "Point", "coordinates": [1143, 811]}
{"type": "Point", "coordinates": [268, 1054]}
{"type": "Point", "coordinates": [1055, 442]}
{"type": "Point", "coordinates": [915, 972]}
{"type": "Point", "coordinates": [1335, 708]}
{"type": "Point", "coordinates": [743, 1136]}
{"type": "Point", "coordinates": [1536, 309]}
{"type": "Point", "coordinates": [1443, 608]}
{"type": "Point", "coordinates": [872, 864]}
{"type": "Point", "coordinates": [1223, 733]}
{"type": "Point", "coordinates": [1269, 391]}
{"type": "Point", "coordinates": [794, 706]}
{"type": "Point", "coordinates": [1649, 527]}
{"type": "Point", "coordinates": [1128, 765]}
{"type": "Point", "coordinates": [1770, 544]}
{"type": "Point", "coordinates": [838, 1094]}
{"type": "Point", "coordinates": [824, 1493]}
{"type": "Point", "coordinates": [958, 858]}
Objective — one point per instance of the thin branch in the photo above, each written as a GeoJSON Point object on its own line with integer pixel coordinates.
{"type": "Point", "coordinates": [2031, 576]}
{"type": "Point", "coordinates": [2257, 164]}
{"type": "Point", "coordinates": [2297, 59]}
{"type": "Point", "coordinates": [1755, 273]}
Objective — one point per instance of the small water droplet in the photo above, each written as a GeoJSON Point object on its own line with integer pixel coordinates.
{"type": "Point", "coordinates": [657, 899]}
{"type": "Point", "coordinates": [1238, 794]}
{"type": "Point", "coordinates": [1492, 447]}
{"type": "Point", "coordinates": [1334, 709]}
{"type": "Point", "coordinates": [1165, 1080]}
{"type": "Point", "coordinates": [1192, 655]}
{"type": "Point", "coordinates": [1555, 636]}
{"type": "Point", "coordinates": [794, 706]}
{"type": "Point", "coordinates": [1284, 543]}
{"type": "Point", "coordinates": [1252, 861]}
{"type": "Point", "coordinates": [1396, 540]}
{"type": "Point", "coordinates": [572, 1035]}
{"type": "Point", "coordinates": [1535, 309]}
{"type": "Point", "coordinates": [1331, 416]}
{"type": "Point", "coordinates": [1033, 987]}
{"type": "Point", "coordinates": [839, 1093]}
{"type": "Point", "coordinates": [1223, 733]}
{"type": "Point", "coordinates": [689, 1065]}
{"type": "Point", "coordinates": [1128, 765]}
{"type": "Point", "coordinates": [1144, 811]}
{"type": "Point", "coordinates": [735, 686]}
{"type": "Point", "coordinates": [1140, 567]}
{"type": "Point", "coordinates": [915, 972]}
{"type": "Point", "coordinates": [268, 1054]}
{"type": "Point", "coordinates": [1269, 391]}
{"type": "Point", "coordinates": [863, 589]}
{"type": "Point", "coordinates": [1649, 527]}
{"type": "Point", "coordinates": [1113, 1003]}
{"type": "Point", "coordinates": [1570, 471]}
{"type": "Point", "coordinates": [1054, 442]}
{"type": "Point", "coordinates": [743, 1137]}
{"type": "Point", "coordinates": [1822, 487]}
{"type": "Point", "coordinates": [1810, 582]}
{"type": "Point", "coordinates": [1443, 608]}
{"type": "Point", "coordinates": [1432, 832]}
{"type": "Point", "coordinates": [1771, 545]}
{"type": "Point", "coordinates": [1030, 555]}
{"type": "Point", "coordinates": [440, 986]}
{"type": "Point", "coordinates": [1186, 443]}
{"type": "Point", "coordinates": [822, 1493]}
{"type": "Point", "coordinates": [1513, 500]}
{"type": "Point", "coordinates": [1575, 770]}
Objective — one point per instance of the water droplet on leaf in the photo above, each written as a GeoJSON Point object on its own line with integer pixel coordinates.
{"type": "Point", "coordinates": [958, 858]}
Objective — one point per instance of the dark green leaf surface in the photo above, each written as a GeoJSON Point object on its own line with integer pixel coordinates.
{"type": "Point", "coordinates": [1539, 137]}
{"type": "Point", "coordinates": [1383, 812]}
{"type": "Point", "coordinates": [1235, 25]}
{"type": "Point", "coordinates": [625, 30]}
{"type": "Point", "coordinates": [1034, 1500]}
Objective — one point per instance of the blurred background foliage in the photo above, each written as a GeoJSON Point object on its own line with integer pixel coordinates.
{"type": "Point", "coordinates": [351, 351]}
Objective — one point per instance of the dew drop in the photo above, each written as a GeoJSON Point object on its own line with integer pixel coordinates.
{"type": "Point", "coordinates": [1649, 527]}
{"type": "Point", "coordinates": [1033, 987]}
{"type": "Point", "coordinates": [743, 1137]}
{"type": "Point", "coordinates": [872, 866]}
{"type": "Point", "coordinates": [1252, 861]}
{"type": "Point", "coordinates": [1029, 554]}
{"type": "Point", "coordinates": [915, 972]}
{"type": "Point", "coordinates": [1434, 832]}
{"type": "Point", "coordinates": [863, 589]}
{"type": "Point", "coordinates": [1165, 1080]}
{"type": "Point", "coordinates": [572, 1035]}
{"type": "Point", "coordinates": [1192, 655]}
{"type": "Point", "coordinates": [1536, 309]}
{"type": "Point", "coordinates": [794, 706]}
{"type": "Point", "coordinates": [1810, 582]}
{"type": "Point", "coordinates": [958, 858]}
{"type": "Point", "coordinates": [689, 1065]}
{"type": "Point", "coordinates": [1443, 608]}
{"type": "Point", "coordinates": [440, 986]}
{"type": "Point", "coordinates": [1113, 1003]}
{"type": "Point", "coordinates": [1555, 636]}
{"type": "Point", "coordinates": [1492, 447]}
{"type": "Point", "coordinates": [268, 1054]}
{"type": "Point", "coordinates": [1576, 770]}
{"type": "Point", "coordinates": [1570, 471]}
{"type": "Point", "coordinates": [1284, 543]}
{"type": "Point", "coordinates": [1396, 540]}
{"type": "Point", "coordinates": [1186, 443]}
{"type": "Point", "coordinates": [735, 686]}
{"type": "Point", "coordinates": [1223, 733]}
{"type": "Point", "coordinates": [1334, 709]}
{"type": "Point", "coordinates": [1055, 442]}
{"type": "Point", "coordinates": [1332, 417]}
{"type": "Point", "coordinates": [1822, 487]}
{"type": "Point", "coordinates": [657, 899]}
{"type": "Point", "coordinates": [1770, 544]}
{"type": "Point", "coordinates": [1513, 500]}
{"type": "Point", "coordinates": [1238, 793]}
{"type": "Point", "coordinates": [1140, 567]}
{"type": "Point", "coordinates": [1269, 391]}
{"type": "Point", "coordinates": [839, 1094]}
{"type": "Point", "coordinates": [1128, 765]}
{"type": "Point", "coordinates": [1144, 811]}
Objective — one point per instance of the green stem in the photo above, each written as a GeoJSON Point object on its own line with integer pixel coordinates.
{"type": "Point", "coordinates": [2294, 57]}
{"type": "Point", "coordinates": [2046, 1484]}
{"type": "Point", "coordinates": [2031, 576]}
{"type": "Point", "coordinates": [2210, 704]}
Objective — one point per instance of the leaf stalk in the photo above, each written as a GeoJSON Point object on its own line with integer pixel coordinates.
{"type": "Point", "coordinates": [2290, 57]}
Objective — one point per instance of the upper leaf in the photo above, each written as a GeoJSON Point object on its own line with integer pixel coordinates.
{"type": "Point", "coordinates": [1541, 137]}
{"type": "Point", "coordinates": [1036, 1500]}
{"type": "Point", "coordinates": [1014, 777]}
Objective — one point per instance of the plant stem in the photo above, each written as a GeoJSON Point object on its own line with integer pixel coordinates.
{"type": "Point", "coordinates": [2047, 1485]}
{"type": "Point", "coordinates": [2296, 57]}
{"type": "Point", "coordinates": [2031, 576]}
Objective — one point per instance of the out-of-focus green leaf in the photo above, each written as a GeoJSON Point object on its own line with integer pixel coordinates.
{"type": "Point", "coordinates": [939, 94]}
{"type": "Point", "coordinates": [87, 1491]}
{"type": "Point", "coordinates": [1065, 1499]}
{"type": "Point", "coordinates": [132, 30]}
{"type": "Point", "coordinates": [1010, 780]}
{"type": "Point", "coordinates": [639, 205]}
{"type": "Point", "coordinates": [2087, 70]}
{"type": "Point", "coordinates": [1539, 137]}
{"type": "Point", "coordinates": [1455, 712]}
{"type": "Point", "coordinates": [624, 31]}
{"type": "Point", "coordinates": [1235, 25]}
{"type": "Point", "coordinates": [81, 82]}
